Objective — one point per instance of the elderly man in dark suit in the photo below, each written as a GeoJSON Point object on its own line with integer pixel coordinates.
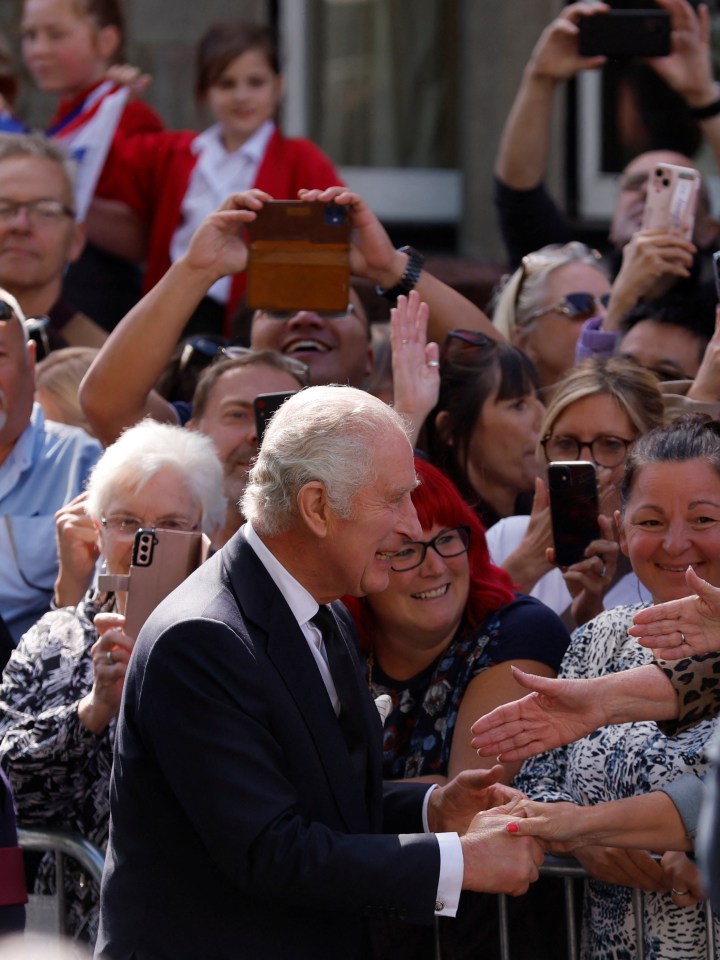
{"type": "Point", "coordinates": [249, 817]}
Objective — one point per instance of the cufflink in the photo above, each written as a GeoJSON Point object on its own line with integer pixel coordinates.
{"type": "Point", "coordinates": [439, 906]}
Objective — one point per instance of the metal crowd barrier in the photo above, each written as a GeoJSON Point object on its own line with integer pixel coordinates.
{"type": "Point", "coordinates": [64, 844]}
{"type": "Point", "coordinates": [570, 870]}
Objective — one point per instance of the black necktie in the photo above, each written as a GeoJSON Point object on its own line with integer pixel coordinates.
{"type": "Point", "coordinates": [346, 684]}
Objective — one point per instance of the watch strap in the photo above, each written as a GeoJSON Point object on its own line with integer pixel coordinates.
{"type": "Point", "coordinates": [410, 276]}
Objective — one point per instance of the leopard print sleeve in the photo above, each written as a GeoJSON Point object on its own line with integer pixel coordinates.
{"type": "Point", "coordinates": [696, 681]}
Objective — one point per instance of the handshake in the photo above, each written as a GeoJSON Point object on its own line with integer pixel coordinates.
{"type": "Point", "coordinates": [497, 857]}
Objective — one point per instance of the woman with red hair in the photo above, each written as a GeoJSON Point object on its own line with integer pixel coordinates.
{"type": "Point", "coordinates": [440, 639]}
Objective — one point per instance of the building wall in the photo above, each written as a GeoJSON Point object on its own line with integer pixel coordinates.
{"type": "Point", "coordinates": [496, 36]}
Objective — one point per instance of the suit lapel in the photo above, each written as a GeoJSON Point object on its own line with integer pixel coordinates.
{"type": "Point", "coordinates": [269, 619]}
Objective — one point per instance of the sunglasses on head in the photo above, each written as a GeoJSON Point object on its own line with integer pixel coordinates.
{"type": "Point", "coordinates": [461, 341]}
{"type": "Point", "coordinates": [202, 351]}
{"type": "Point", "coordinates": [574, 306]}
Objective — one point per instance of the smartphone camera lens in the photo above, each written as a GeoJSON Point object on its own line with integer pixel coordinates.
{"type": "Point", "coordinates": [334, 215]}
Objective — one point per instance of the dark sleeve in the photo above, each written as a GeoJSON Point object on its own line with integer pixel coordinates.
{"type": "Point", "coordinates": [528, 219]}
{"type": "Point", "coordinates": [696, 681]}
{"type": "Point", "coordinates": [530, 630]}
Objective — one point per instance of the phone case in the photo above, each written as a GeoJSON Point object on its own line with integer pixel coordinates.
{"type": "Point", "coordinates": [161, 560]}
{"type": "Point", "coordinates": [574, 508]}
{"type": "Point", "coordinates": [625, 33]}
{"type": "Point", "coordinates": [299, 257]}
{"type": "Point", "coordinates": [671, 198]}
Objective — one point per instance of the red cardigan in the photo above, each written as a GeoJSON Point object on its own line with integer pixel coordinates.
{"type": "Point", "coordinates": [158, 173]}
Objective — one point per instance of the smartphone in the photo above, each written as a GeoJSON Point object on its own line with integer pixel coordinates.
{"type": "Point", "coordinates": [671, 199]}
{"type": "Point", "coordinates": [625, 33]}
{"type": "Point", "coordinates": [574, 508]}
{"type": "Point", "coordinates": [161, 560]}
{"type": "Point", "coordinates": [299, 257]}
{"type": "Point", "coordinates": [265, 405]}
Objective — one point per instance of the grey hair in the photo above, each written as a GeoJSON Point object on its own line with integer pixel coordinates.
{"type": "Point", "coordinates": [37, 145]}
{"type": "Point", "coordinates": [523, 292]}
{"type": "Point", "coordinates": [324, 433]}
{"type": "Point", "coordinates": [147, 448]}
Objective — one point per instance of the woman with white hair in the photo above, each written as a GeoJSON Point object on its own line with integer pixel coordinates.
{"type": "Point", "coordinates": [61, 689]}
{"type": "Point", "coordinates": [542, 306]}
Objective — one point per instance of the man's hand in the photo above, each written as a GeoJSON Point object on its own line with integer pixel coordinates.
{"type": "Point", "coordinates": [688, 70]}
{"type": "Point", "coordinates": [452, 807]}
{"type": "Point", "coordinates": [651, 262]}
{"type": "Point", "coordinates": [495, 861]}
{"type": "Point", "coordinates": [556, 56]}
{"type": "Point", "coordinates": [682, 628]}
{"type": "Point", "coordinates": [217, 247]}
{"type": "Point", "coordinates": [557, 712]}
{"type": "Point", "coordinates": [372, 254]}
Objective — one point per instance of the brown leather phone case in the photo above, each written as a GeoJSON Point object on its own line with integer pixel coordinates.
{"type": "Point", "coordinates": [299, 257]}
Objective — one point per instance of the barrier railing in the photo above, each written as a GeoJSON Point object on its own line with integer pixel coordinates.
{"type": "Point", "coordinates": [64, 844]}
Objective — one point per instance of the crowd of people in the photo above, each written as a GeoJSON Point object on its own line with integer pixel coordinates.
{"type": "Point", "coordinates": [289, 733]}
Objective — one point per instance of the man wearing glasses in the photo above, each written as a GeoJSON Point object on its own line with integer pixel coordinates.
{"type": "Point", "coordinates": [43, 465]}
{"type": "Point", "coordinates": [39, 237]}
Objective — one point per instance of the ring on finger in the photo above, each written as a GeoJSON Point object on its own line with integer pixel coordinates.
{"type": "Point", "coordinates": [109, 657]}
{"type": "Point", "coordinates": [682, 637]}
{"type": "Point", "coordinates": [603, 570]}
{"type": "Point", "coordinates": [432, 363]}
{"type": "Point", "coordinates": [680, 893]}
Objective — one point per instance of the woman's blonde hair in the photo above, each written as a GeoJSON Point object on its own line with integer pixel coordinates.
{"type": "Point", "coordinates": [521, 293]}
{"type": "Point", "coordinates": [632, 387]}
{"type": "Point", "coordinates": [58, 377]}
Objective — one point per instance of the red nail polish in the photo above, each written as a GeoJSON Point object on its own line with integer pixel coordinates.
{"type": "Point", "coordinates": [513, 827]}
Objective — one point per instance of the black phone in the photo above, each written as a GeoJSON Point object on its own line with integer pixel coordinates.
{"type": "Point", "coordinates": [265, 405]}
{"type": "Point", "coordinates": [574, 508]}
{"type": "Point", "coordinates": [625, 33]}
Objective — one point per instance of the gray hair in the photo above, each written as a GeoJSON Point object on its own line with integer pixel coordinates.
{"type": "Point", "coordinates": [523, 292]}
{"type": "Point", "coordinates": [39, 146]}
{"type": "Point", "coordinates": [325, 433]}
{"type": "Point", "coordinates": [147, 448]}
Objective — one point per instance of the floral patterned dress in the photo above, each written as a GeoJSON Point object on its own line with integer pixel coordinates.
{"type": "Point", "coordinates": [419, 728]}
{"type": "Point", "coordinates": [621, 761]}
{"type": "Point", "coordinates": [59, 770]}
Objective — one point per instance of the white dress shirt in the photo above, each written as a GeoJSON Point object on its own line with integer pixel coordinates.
{"type": "Point", "coordinates": [216, 175]}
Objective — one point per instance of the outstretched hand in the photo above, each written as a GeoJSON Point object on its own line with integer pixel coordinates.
{"type": "Point", "coordinates": [682, 628]}
{"type": "Point", "coordinates": [453, 806]}
{"type": "Point", "coordinates": [557, 712]}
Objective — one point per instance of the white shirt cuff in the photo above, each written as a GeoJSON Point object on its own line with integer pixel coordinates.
{"type": "Point", "coordinates": [452, 867]}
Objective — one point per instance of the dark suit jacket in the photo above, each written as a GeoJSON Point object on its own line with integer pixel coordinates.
{"type": "Point", "coordinates": [239, 827]}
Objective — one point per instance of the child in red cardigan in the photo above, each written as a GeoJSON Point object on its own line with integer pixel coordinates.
{"type": "Point", "coordinates": [173, 180]}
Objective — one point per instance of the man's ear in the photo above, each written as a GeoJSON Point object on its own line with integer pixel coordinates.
{"type": "Point", "coordinates": [314, 509]}
{"type": "Point", "coordinates": [76, 244]}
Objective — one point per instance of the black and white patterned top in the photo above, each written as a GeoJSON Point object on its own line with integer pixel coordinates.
{"type": "Point", "coordinates": [59, 770]}
{"type": "Point", "coordinates": [614, 762]}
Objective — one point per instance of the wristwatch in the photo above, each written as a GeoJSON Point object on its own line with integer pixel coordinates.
{"type": "Point", "coordinates": [410, 277]}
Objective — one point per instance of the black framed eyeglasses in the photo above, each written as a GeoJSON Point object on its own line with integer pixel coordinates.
{"type": "Point", "coordinates": [575, 306]}
{"type": "Point", "coordinates": [448, 543]}
{"type": "Point", "coordinates": [605, 451]}
{"type": "Point", "coordinates": [39, 212]}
